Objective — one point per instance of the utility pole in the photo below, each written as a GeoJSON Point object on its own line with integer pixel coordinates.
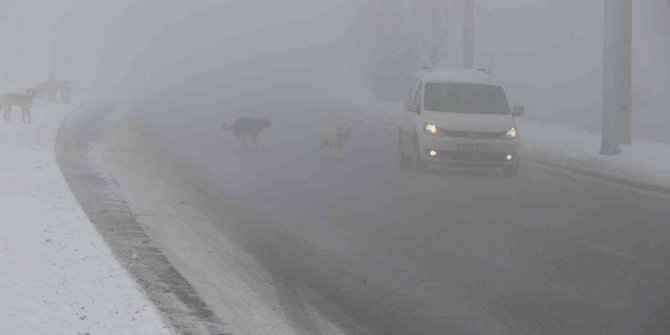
{"type": "Point", "coordinates": [627, 94]}
{"type": "Point", "coordinates": [616, 91]}
{"type": "Point", "coordinates": [469, 34]}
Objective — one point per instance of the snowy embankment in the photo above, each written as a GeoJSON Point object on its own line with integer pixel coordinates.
{"type": "Point", "coordinates": [644, 164]}
{"type": "Point", "coordinates": [57, 274]}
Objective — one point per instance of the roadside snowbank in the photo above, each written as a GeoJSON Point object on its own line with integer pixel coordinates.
{"type": "Point", "coordinates": [56, 273]}
{"type": "Point", "coordinates": [644, 162]}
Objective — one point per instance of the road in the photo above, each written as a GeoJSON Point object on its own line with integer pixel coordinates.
{"type": "Point", "coordinates": [385, 251]}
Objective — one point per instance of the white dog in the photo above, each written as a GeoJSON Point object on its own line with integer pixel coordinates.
{"type": "Point", "coordinates": [22, 100]}
{"type": "Point", "coordinates": [333, 138]}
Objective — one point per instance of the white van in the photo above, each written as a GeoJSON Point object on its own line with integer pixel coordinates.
{"type": "Point", "coordinates": [458, 117]}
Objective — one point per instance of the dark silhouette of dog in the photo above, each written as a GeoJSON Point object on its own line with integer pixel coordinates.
{"type": "Point", "coordinates": [246, 129]}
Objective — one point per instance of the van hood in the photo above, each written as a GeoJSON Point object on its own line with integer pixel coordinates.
{"type": "Point", "coordinates": [470, 122]}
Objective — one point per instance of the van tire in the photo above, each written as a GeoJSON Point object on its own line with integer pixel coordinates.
{"type": "Point", "coordinates": [511, 171]}
{"type": "Point", "coordinates": [417, 163]}
{"type": "Point", "coordinates": [403, 161]}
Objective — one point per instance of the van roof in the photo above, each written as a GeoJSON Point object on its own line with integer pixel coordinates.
{"type": "Point", "coordinates": [455, 76]}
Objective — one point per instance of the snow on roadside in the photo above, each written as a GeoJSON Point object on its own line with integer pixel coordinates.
{"type": "Point", "coordinates": [57, 276]}
{"type": "Point", "coordinates": [567, 147]}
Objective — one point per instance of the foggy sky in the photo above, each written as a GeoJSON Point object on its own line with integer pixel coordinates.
{"type": "Point", "coordinates": [548, 53]}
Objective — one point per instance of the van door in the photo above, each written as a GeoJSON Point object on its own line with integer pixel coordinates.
{"type": "Point", "coordinates": [410, 118]}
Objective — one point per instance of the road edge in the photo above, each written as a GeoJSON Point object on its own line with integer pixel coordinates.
{"type": "Point", "coordinates": [172, 295]}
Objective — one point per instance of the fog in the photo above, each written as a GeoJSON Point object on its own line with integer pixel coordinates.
{"type": "Point", "coordinates": [548, 53]}
{"type": "Point", "coordinates": [247, 134]}
{"type": "Point", "coordinates": [105, 45]}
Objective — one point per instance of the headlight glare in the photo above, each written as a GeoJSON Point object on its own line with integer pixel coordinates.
{"type": "Point", "coordinates": [430, 129]}
{"type": "Point", "coordinates": [511, 134]}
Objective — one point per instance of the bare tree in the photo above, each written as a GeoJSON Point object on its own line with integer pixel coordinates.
{"type": "Point", "coordinates": [5, 6]}
{"type": "Point", "coordinates": [433, 23]}
{"type": "Point", "coordinates": [391, 51]}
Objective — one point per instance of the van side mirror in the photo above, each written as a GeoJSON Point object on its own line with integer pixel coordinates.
{"type": "Point", "coordinates": [411, 106]}
{"type": "Point", "coordinates": [518, 110]}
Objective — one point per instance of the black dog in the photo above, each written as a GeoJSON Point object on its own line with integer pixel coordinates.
{"type": "Point", "coordinates": [247, 129]}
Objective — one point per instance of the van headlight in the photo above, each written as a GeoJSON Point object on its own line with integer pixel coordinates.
{"type": "Point", "coordinates": [432, 129]}
{"type": "Point", "coordinates": [512, 134]}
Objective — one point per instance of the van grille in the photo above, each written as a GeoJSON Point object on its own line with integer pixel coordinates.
{"type": "Point", "coordinates": [472, 156]}
{"type": "Point", "coordinates": [475, 134]}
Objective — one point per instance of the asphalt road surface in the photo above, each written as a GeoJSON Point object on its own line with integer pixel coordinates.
{"type": "Point", "coordinates": [386, 251]}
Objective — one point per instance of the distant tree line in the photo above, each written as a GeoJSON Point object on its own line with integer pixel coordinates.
{"type": "Point", "coordinates": [402, 36]}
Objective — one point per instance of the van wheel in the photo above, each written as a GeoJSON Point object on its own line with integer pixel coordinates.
{"type": "Point", "coordinates": [418, 164]}
{"type": "Point", "coordinates": [511, 171]}
{"type": "Point", "coordinates": [403, 161]}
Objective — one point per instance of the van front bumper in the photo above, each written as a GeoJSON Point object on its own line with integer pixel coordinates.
{"type": "Point", "coordinates": [460, 151]}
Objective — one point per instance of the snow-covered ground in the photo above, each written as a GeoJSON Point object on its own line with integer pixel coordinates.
{"type": "Point", "coordinates": [644, 163]}
{"type": "Point", "coordinates": [57, 275]}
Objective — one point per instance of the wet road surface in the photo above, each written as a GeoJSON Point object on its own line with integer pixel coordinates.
{"type": "Point", "coordinates": [441, 252]}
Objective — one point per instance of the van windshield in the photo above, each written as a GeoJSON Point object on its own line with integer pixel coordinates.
{"type": "Point", "coordinates": [465, 98]}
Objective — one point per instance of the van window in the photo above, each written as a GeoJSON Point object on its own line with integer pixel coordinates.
{"type": "Point", "coordinates": [412, 94]}
{"type": "Point", "coordinates": [417, 95]}
{"type": "Point", "coordinates": [465, 98]}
